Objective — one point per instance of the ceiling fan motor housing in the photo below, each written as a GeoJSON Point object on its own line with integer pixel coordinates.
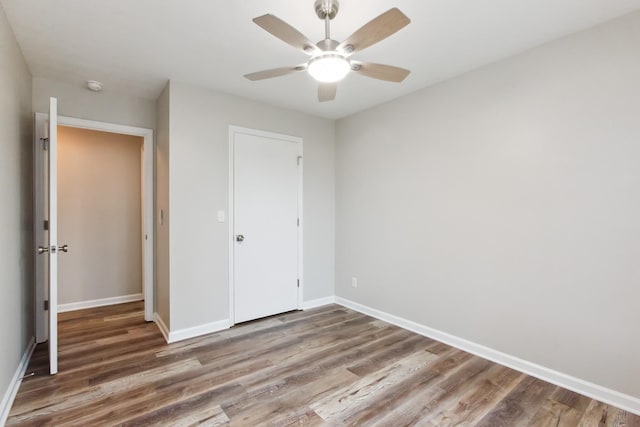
{"type": "Point", "coordinates": [327, 8]}
{"type": "Point", "coordinates": [328, 45]}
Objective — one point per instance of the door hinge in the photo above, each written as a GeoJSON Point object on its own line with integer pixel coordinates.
{"type": "Point", "coordinates": [298, 222]}
{"type": "Point", "coordinates": [45, 143]}
{"type": "Point", "coordinates": [298, 160]}
{"type": "Point", "coordinates": [46, 304]}
{"type": "Point", "coordinates": [298, 282]}
{"type": "Point", "coordinates": [46, 224]}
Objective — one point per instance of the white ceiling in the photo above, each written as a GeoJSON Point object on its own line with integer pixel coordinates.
{"type": "Point", "coordinates": [135, 46]}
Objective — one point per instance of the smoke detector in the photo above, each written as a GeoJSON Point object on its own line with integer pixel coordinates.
{"type": "Point", "coordinates": [94, 85]}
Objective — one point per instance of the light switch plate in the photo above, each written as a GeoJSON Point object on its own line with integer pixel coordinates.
{"type": "Point", "coordinates": [220, 216]}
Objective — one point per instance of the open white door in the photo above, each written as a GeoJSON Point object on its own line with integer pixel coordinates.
{"type": "Point", "coordinates": [47, 159]}
{"type": "Point", "coordinates": [53, 236]}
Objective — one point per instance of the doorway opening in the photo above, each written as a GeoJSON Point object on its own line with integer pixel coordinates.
{"type": "Point", "coordinates": [99, 218]}
{"type": "Point", "coordinates": [105, 216]}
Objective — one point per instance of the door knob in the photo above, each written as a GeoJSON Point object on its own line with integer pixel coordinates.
{"type": "Point", "coordinates": [63, 248]}
{"type": "Point", "coordinates": [43, 249]}
{"type": "Point", "coordinates": [239, 238]}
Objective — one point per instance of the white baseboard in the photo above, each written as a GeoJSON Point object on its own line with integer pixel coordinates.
{"type": "Point", "coordinates": [196, 331]}
{"type": "Point", "coordinates": [81, 305]}
{"type": "Point", "coordinates": [594, 391]}
{"type": "Point", "coordinates": [306, 305]}
{"type": "Point", "coordinates": [14, 385]}
{"type": "Point", "coordinates": [183, 334]}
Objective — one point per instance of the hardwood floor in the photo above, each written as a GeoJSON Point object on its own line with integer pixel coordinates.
{"type": "Point", "coordinates": [326, 366]}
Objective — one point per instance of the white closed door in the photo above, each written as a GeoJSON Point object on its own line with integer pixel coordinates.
{"type": "Point", "coordinates": [265, 224]}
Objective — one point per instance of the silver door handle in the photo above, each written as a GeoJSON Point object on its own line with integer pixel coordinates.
{"type": "Point", "coordinates": [239, 238]}
{"type": "Point", "coordinates": [43, 249]}
{"type": "Point", "coordinates": [63, 248]}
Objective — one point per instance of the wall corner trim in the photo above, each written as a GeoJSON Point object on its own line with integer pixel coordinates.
{"type": "Point", "coordinates": [14, 385]}
{"type": "Point", "coordinates": [306, 305]}
{"type": "Point", "coordinates": [594, 391]}
{"type": "Point", "coordinates": [162, 326]}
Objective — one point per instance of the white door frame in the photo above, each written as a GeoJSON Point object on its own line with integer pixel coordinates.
{"type": "Point", "coordinates": [233, 130]}
{"type": "Point", "coordinates": [147, 207]}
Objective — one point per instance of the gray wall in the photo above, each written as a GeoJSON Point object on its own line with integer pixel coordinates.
{"type": "Point", "coordinates": [16, 263]}
{"type": "Point", "coordinates": [79, 102]}
{"type": "Point", "coordinates": [199, 184]}
{"type": "Point", "coordinates": [162, 290]}
{"type": "Point", "coordinates": [503, 206]}
{"type": "Point", "coordinates": [99, 214]}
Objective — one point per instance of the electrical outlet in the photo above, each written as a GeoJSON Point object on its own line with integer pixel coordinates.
{"type": "Point", "coordinates": [354, 282]}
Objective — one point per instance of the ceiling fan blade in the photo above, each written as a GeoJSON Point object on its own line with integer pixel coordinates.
{"type": "Point", "coordinates": [380, 71]}
{"type": "Point", "coordinates": [375, 30]}
{"type": "Point", "coordinates": [286, 33]}
{"type": "Point", "coordinates": [327, 91]}
{"type": "Point", "coordinates": [274, 72]}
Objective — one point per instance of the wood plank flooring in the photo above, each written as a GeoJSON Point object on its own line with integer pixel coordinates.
{"type": "Point", "coordinates": [326, 366]}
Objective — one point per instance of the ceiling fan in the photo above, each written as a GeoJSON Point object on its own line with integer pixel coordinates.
{"type": "Point", "coordinates": [330, 60]}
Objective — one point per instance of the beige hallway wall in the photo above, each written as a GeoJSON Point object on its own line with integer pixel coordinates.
{"type": "Point", "coordinates": [99, 196]}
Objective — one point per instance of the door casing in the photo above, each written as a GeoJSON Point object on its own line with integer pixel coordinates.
{"type": "Point", "coordinates": [233, 130]}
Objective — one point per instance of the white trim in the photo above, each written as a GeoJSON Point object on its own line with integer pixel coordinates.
{"type": "Point", "coordinates": [103, 126]}
{"type": "Point", "coordinates": [301, 223]}
{"type": "Point", "coordinates": [306, 305]}
{"type": "Point", "coordinates": [14, 385]}
{"type": "Point", "coordinates": [594, 391]}
{"type": "Point", "coordinates": [196, 331]}
{"type": "Point", "coordinates": [230, 213]}
{"type": "Point", "coordinates": [148, 215]}
{"type": "Point", "coordinates": [248, 131]}
{"type": "Point", "coordinates": [162, 326]}
{"type": "Point", "coordinates": [81, 305]}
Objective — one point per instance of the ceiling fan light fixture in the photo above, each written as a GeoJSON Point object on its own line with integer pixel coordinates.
{"type": "Point", "coordinates": [329, 67]}
{"type": "Point", "coordinates": [329, 59]}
